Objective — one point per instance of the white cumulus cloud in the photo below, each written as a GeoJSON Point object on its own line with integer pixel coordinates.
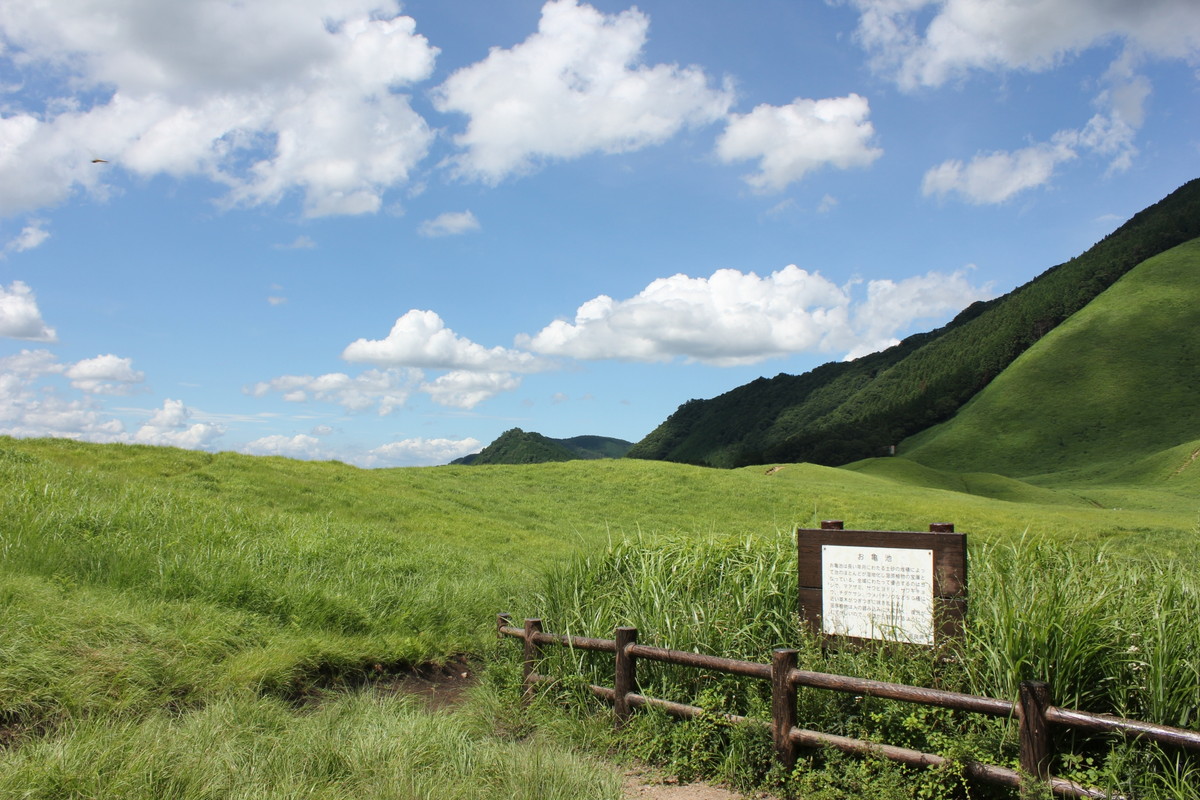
{"type": "Point", "coordinates": [452, 223]}
{"type": "Point", "coordinates": [421, 339]}
{"type": "Point", "coordinates": [790, 141]}
{"type": "Point", "coordinates": [577, 86]}
{"type": "Point", "coordinates": [171, 426]}
{"type": "Point", "coordinates": [301, 446]}
{"type": "Point", "coordinates": [30, 407]}
{"type": "Point", "coordinates": [733, 318]}
{"type": "Point", "coordinates": [303, 97]}
{"type": "Point", "coordinates": [106, 374]}
{"type": "Point", "coordinates": [33, 403]}
{"type": "Point", "coordinates": [418, 341]}
{"type": "Point", "coordinates": [20, 317]}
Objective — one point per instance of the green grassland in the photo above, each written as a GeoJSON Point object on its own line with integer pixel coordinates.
{"type": "Point", "coordinates": [1111, 385]}
{"type": "Point", "coordinates": [178, 624]}
{"type": "Point", "coordinates": [183, 624]}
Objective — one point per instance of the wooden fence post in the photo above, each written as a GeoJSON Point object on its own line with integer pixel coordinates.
{"type": "Point", "coordinates": [625, 680]}
{"type": "Point", "coordinates": [783, 706]}
{"type": "Point", "coordinates": [533, 654]}
{"type": "Point", "coordinates": [1035, 736]}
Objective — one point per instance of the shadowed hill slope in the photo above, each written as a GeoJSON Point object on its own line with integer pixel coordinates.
{"type": "Point", "coordinates": [842, 412]}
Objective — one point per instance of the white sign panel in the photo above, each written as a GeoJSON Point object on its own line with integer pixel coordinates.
{"type": "Point", "coordinates": [877, 593]}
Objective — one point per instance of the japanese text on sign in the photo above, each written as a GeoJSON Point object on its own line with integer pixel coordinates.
{"type": "Point", "coordinates": [878, 593]}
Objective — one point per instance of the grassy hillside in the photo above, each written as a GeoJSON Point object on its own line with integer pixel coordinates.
{"type": "Point", "coordinates": [181, 624]}
{"type": "Point", "coordinates": [516, 446]}
{"type": "Point", "coordinates": [1112, 385]}
{"type": "Point", "coordinates": [983, 484]}
{"type": "Point", "coordinates": [842, 412]}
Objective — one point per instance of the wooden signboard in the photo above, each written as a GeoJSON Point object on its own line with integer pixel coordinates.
{"type": "Point", "coordinates": [899, 586]}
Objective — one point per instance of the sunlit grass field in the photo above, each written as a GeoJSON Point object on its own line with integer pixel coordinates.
{"type": "Point", "coordinates": [191, 625]}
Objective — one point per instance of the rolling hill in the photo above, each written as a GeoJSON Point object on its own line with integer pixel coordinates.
{"type": "Point", "coordinates": [843, 412]}
{"type": "Point", "coordinates": [516, 446]}
{"type": "Point", "coordinates": [1113, 385]}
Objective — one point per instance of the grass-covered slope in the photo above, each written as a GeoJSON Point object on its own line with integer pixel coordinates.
{"type": "Point", "coordinates": [1114, 384]}
{"type": "Point", "coordinates": [184, 625]}
{"type": "Point", "coordinates": [516, 446]}
{"type": "Point", "coordinates": [983, 484]}
{"type": "Point", "coordinates": [842, 412]}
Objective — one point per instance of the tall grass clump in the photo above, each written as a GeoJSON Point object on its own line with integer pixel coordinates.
{"type": "Point", "coordinates": [357, 745]}
{"type": "Point", "coordinates": [70, 653]}
{"type": "Point", "coordinates": [1109, 634]}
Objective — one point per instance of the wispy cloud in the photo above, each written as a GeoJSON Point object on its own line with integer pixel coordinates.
{"type": "Point", "coordinates": [452, 223]}
{"type": "Point", "coordinates": [384, 390]}
{"type": "Point", "coordinates": [927, 43]}
{"type": "Point", "coordinates": [995, 177]}
{"type": "Point", "coordinates": [301, 242]}
{"type": "Point", "coordinates": [31, 236]}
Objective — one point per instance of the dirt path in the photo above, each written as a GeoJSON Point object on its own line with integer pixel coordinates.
{"type": "Point", "coordinates": [444, 686]}
{"type": "Point", "coordinates": [647, 785]}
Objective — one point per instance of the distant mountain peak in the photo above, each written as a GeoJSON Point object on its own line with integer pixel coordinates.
{"type": "Point", "coordinates": [516, 446]}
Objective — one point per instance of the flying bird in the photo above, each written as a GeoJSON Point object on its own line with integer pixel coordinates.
{"type": "Point", "coordinates": [99, 161]}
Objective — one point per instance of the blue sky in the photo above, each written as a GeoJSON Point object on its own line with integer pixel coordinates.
{"type": "Point", "coordinates": [386, 233]}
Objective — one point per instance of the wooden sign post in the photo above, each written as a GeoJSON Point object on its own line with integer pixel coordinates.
{"type": "Point", "coordinates": [898, 586]}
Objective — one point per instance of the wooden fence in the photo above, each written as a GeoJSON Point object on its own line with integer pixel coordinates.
{"type": "Point", "coordinates": [1034, 709]}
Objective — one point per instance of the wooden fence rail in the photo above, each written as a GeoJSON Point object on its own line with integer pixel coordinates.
{"type": "Point", "coordinates": [1033, 710]}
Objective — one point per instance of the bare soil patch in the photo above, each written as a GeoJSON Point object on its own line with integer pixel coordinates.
{"type": "Point", "coordinates": [438, 686]}
{"type": "Point", "coordinates": [644, 784]}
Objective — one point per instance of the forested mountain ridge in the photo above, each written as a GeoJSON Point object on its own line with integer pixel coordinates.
{"type": "Point", "coordinates": [845, 411]}
{"type": "Point", "coordinates": [516, 446]}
